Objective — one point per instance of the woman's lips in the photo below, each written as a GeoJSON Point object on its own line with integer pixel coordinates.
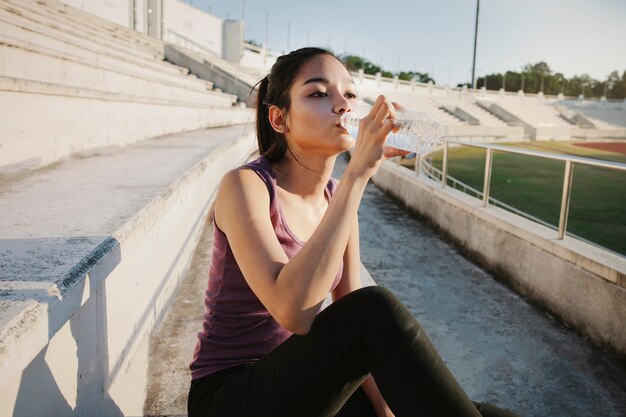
{"type": "Point", "coordinates": [341, 126]}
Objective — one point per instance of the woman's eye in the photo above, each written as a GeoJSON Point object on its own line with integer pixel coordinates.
{"type": "Point", "coordinates": [350, 95]}
{"type": "Point", "coordinates": [319, 94]}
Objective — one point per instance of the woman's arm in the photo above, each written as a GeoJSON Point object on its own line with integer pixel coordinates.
{"type": "Point", "coordinates": [291, 289]}
{"type": "Point", "coordinates": [351, 273]}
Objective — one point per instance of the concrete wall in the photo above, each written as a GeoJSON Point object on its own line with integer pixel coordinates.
{"type": "Point", "coordinates": [483, 133]}
{"type": "Point", "coordinates": [182, 21]}
{"type": "Point", "coordinates": [84, 350]}
{"type": "Point", "coordinates": [116, 11]}
{"type": "Point", "coordinates": [260, 58]}
{"type": "Point", "coordinates": [583, 285]}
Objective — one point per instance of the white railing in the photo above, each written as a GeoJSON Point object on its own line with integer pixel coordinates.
{"type": "Point", "coordinates": [436, 175]}
{"type": "Point", "coordinates": [423, 165]}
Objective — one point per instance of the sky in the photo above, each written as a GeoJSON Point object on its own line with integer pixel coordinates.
{"type": "Point", "coordinates": [437, 36]}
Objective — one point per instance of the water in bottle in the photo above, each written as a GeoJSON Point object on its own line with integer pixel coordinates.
{"type": "Point", "coordinates": [413, 132]}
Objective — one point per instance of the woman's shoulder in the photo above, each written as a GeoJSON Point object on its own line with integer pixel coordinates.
{"type": "Point", "coordinates": [261, 166]}
{"type": "Point", "coordinates": [244, 177]}
{"type": "Point", "coordinates": [241, 193]}
{"type": "Point", "coordinates": [248, 179]}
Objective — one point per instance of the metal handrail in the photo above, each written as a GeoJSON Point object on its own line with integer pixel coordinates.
{"type": "Point", "coordinates": [435, 175]}
{"type": "Point", "coordinates": [548, 155]}
{"type": "Point", "coordinates": [570, 161]}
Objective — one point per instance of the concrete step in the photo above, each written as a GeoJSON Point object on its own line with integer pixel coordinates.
{"type": "Point", "coordinates": [605, 118]}
{"type": "Point", "coordinates": [232, 83]}
{"type": "Point", "coordinates": [48, 45]}
{"type": "Point", "coordinates": [248, 76]}
{"type": "Point", "coordinates": [90, 119]}
{"type": "Point", "coordinates": [35, 12]}
{"type": "Point", "coordinates": [486, 117]}
{"type": "Point", "coordinates": [418, 103]}
{"type": "Point", "coordinates": [28, 61]}
{"type": "Point", "coordinates": [89, 25]}
{"type": "Point", "coordinates": [63, 8]}
{"type": "Point", "coordinates": [17, 27]}
{"type": "Point", "coordinates": [91, 251]}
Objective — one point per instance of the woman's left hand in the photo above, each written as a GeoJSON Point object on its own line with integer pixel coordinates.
{"type": "Point", "coordinates": [388, 151]}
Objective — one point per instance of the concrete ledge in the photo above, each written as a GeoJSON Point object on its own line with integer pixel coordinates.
{"type": "Point", "coordinates": [93, 119]}
{"type": "Point", "coordinates": [581, 284]}
{"type": "Point", "coordinates": [596, 134]}
{"type": "Point", "coordinates": [74, 321]}
{"type": "Point", "coordinates": [483, 133]}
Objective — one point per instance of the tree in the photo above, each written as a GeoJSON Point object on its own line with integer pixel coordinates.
{"type": "Point", "coordinates": [355, 63]}
{"type": "Point", "coordinates": [539, 77]}
{"type": "Point", "coordinates": [613, 81]}
{"type": "Point", "coordinates": [421, 77]}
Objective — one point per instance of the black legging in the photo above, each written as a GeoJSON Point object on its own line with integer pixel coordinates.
{"type": "Point", "coordinates": [366, 331]}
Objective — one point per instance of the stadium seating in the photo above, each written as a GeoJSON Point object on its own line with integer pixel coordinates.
{"type": "Point", "coordinates": [57, 57]}
{"type": "Point", "coordinates": [107, 175]}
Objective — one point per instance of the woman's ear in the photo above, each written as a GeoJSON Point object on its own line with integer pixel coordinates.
{"type": "Point", "coordinates": [278, 119]}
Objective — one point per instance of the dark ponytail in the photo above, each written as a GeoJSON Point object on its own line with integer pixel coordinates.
{"type": "Point", "coordinates": [272, 144]}
{"type": "Point", "coordinates": [274, 91]}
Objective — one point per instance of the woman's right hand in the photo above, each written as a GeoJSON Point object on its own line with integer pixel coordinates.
{"type": "Point", "coordinates": [369, 150]}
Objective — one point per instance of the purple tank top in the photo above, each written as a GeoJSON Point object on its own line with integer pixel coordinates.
{"type": "Point", "coordinates": [236, 327]}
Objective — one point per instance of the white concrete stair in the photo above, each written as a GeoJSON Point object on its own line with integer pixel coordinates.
{"type": "Point", "coordinates": [31, 62]}
{"type": "Point", "coordinates": [87, 25]}
{"type": "Point", "coordinates": [90, 119]}
{"type": "Point", "coordinates": [485, 118]}
{"type": "Point", "coordinates": [92, 249]}
{"type": "Point", "coordinates": [70, 82]}
{"type": "Point", "coordinates": [39, 13]}
{"type": "Point", "coordinates": [61, 41]}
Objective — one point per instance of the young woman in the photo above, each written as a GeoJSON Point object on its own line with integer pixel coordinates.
{"type": "Point", "coordinates": [286, 234]}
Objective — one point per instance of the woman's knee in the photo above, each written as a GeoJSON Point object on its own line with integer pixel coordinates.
{"type": "Point", "coordinates": [383, 305]}
{"type": "Point", "coordinates": [375, 295]}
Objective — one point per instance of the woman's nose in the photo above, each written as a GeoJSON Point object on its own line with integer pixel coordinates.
{"type": "Point", "coordinates": [342, 106]}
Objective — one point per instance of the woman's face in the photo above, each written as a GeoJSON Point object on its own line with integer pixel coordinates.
{"type": "Point", "coordinates": [321, 92]}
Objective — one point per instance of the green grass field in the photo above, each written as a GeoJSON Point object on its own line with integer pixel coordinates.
{"type": "Point", "coordinates": [534, 185]}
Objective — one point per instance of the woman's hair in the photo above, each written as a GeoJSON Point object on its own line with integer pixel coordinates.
{"type": "Point", "coordinates": [274, 91]}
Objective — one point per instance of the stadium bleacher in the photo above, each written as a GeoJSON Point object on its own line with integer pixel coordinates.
{"type": "Point", "coordinates": [109, 160]}
{"type": "Point", "coordinates": [56, 56]}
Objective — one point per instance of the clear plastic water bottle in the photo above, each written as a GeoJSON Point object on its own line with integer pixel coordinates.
{"type": "Point", "coordinates": [414, 132]}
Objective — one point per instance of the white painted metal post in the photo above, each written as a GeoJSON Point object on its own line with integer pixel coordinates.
{"type": "Point", "coordinates": [487, 180]}
{"type": "Point", "coordinates": [444, 168]}
{"type": "Point", "coordinates": [417, 164]}
{"type": "Point", "coordinates": [567, 188]}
